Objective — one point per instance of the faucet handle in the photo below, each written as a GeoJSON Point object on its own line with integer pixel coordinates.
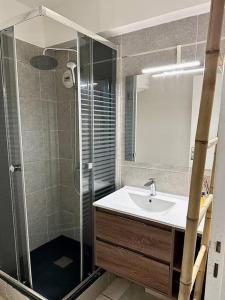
{"type": "Point", "coordinates": [152, 179]}
{"type": "Point", "coordinates": [150, 182]}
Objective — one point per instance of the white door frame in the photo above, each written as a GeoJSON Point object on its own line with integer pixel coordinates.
{"type": "Point", "coordinates": [215, 284]}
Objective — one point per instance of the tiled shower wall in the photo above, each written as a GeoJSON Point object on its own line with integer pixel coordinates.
{"type": "Point", "coordinates": [68, 134]}
{"type": "Point", "coordinates": [47, 119]}
{"type": "Point", "coordinates": [152, 47]}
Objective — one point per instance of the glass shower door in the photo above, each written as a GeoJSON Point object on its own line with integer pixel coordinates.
{"type": "Point", "coordinates": [98, 135]}
{"type": "Point", "coordinates": [14, 257]}
{"type": "Point", "coordinates": [86, 95]}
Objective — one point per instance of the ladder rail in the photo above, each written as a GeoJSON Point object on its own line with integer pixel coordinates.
{"type": "Point", "coordinates": [205, 207]}
{"type": "Point", "coordinates": [197, 264]}
{"type": "Point", "coordinates": [201, 145]}
{"type": "Point", "coordinates": [205, 238]}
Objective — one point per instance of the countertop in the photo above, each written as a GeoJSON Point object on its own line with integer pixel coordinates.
{"type": "Point", "coordinates": [120, 201]}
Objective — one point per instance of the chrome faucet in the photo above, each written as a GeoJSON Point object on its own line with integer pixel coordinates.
{"type": "Point", "coordinates": [151, 185]}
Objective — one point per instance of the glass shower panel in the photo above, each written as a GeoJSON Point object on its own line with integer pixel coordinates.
{"type": "Point", "coordinates": [98, 115]}
{"type": "Point", "coordinates": [13, 218]}
{"type": "Point", "coordinates": [86, 91]}
{"type": "Point", "coordinates": [104, 123]}
{"type": "Point", "coordinates": [47, 83]}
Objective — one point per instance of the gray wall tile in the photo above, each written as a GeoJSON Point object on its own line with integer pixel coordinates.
{"type": "Point", "coordinates": [70, 200]}
{"type": "Point", "coordinates": [68, 220]}
{"type": "Point", "coordinates": [203, 23]}
{"type": "Point", "coordinates": [51, 144]}
{"type": "Point", "coordinates": [49, 115]}
{"type": "Point", "coordinates": [53, 200]}
{"type": "Point", "coordinates": [29, 81]}
{"type": "Point", "coordinates": [34, 176]}
{"type": "Point", "coordinates": [134, 42]}
{"type": "Point", "coordinates": [52, 173]}
{"type": "Point", "coordinates": [54, 222]}
{"type": "Point", "coordinates": [64, 117]}
{"type": "Point", "coordinates": [188, 53]}
{"type": "Point", "coordinates": [172, 34]}
{"type": "Point", "coordinates": [33, 145]}
{"type": "Point", "coordinates": [69, 232]}
{"type": "Point", "coordinates": [65, 144]}
{"type": "Point", "coordinates": [48, 85]}
{"type": "Point", "coordinates": [134, 65]}
{"type": "Point", "coordinates": [31, 114]}
{"type": "Point", "coordinates": [36, 208]}
{"type": "Point", "coordinates": [37, 218]}
{"type": "Point", "coordinates": [66, 172]}
{"type": "Point", "coordinates": [161, 36]}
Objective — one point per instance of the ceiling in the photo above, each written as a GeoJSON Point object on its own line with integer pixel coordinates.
{"type": "Point", "coordinates": [48, 3]}
{"type": "Point", "coordinates": [111, 17]}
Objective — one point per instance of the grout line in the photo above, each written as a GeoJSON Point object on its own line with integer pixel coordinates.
{"type": "Point", "coordinates": [106, 296]}
{"type": "Point", "coordinates": [154, 169]}
{"type": "Point", "coordinates": [165, 49]}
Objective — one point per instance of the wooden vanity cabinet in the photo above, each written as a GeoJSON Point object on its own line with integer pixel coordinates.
{"type": "Point", "coordinates": [147, 253]}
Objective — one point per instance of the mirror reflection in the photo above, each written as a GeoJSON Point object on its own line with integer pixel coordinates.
{"type": "Point", "coordinates": [161, 118]}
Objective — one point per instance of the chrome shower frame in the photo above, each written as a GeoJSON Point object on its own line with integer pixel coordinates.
{"type": "Point", "coordinates": [58, 49]}
{"type": "Point", "coordinates": [42, 11]}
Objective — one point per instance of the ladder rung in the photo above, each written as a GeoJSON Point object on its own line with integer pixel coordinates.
{"type": "Point", "coordinates": [205, 207]}
{"type": "Point", "coordinates": [221, 60]}
{"type": "Point", "coordinates": [197, 264]}
{"type": "Point", "coordinates": [212, 142]}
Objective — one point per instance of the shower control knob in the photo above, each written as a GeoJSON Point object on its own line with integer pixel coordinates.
{"type": "Point", "coordinates": [15, 168]}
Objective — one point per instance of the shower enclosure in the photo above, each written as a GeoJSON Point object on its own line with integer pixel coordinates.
{"type": "Point", "coordinates": [57, 145]}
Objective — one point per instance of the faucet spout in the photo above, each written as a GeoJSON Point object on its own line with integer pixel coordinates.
{"type": "Point", "coordinates": [151, 186]}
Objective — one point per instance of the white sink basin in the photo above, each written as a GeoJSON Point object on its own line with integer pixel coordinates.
{"type": "Point", "coordinates": [163, 208]}
{"type": "Point", "coordinates": [151, 203]}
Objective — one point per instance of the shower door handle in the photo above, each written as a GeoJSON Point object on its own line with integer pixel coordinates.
{"type": "Point", "coordinates": [89, 166]}
{"type": "Point", "coordinates": [15, 168]}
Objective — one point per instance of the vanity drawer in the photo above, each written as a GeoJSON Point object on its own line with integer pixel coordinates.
{"type": "Point", "coordinates": [132, 266]}
{"type": "Point", "coordinates": [137, 236]}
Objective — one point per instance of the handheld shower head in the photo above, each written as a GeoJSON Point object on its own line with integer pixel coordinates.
{"type": "Point", "coordinates": [72, 65]}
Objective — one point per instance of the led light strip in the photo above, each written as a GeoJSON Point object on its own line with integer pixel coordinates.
{"type": "Point", "coordinates": [178, 72]}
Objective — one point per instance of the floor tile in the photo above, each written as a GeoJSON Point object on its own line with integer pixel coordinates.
{"type": "Point", "coordinates": [117, 288]}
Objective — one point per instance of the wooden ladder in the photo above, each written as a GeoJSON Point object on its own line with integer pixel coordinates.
{"type": "Point", "coordinates": [192, 272]}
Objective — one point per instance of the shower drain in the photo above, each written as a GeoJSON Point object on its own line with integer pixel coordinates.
{"type": "Point", "coordinates": [63, 262]}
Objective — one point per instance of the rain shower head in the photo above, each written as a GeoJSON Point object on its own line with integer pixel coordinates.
{"type": "Point", "coordinates": [44, 62]}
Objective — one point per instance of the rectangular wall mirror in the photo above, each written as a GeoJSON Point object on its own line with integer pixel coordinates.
{"type": "Point", "coordinates": [161, 119]}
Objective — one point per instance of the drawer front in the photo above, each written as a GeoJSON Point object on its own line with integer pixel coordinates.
{"type": "Point", "coordinates": [132, 266]}
{"type": "Point", "coordinates": [134, 235]}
